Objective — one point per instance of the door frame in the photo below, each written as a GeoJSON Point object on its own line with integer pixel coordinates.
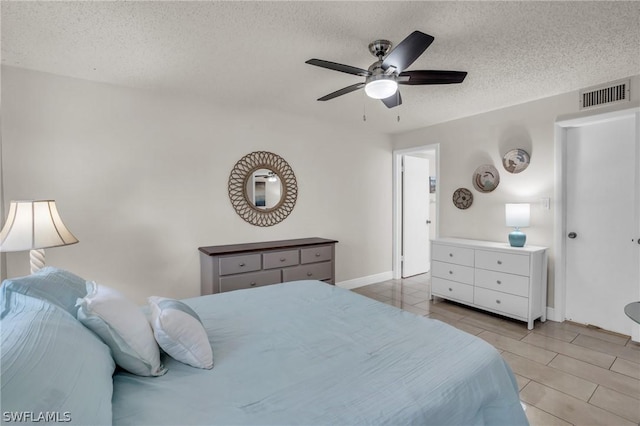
{"type": "Point", "coordinates": [397, 201]}
{"type": "Point", "coordinates": [557, 313]}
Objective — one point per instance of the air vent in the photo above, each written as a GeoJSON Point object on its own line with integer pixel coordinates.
{"type": "Point", "coordinates": [606, 94]}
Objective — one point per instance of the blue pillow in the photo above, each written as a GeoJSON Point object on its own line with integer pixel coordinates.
{"type": "Point", "coordinates": [53, 366]}
{"type": "Point", "coordinates": [57, 286]}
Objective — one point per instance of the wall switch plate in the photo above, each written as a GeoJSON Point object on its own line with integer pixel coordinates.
{"type": "Point", "coordinates": [546, 203]}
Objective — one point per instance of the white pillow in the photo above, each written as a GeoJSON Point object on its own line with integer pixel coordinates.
{"type": "Point", "coordinates": [180, 333]}
{"type": "Point", "coordinates": [123, 327]}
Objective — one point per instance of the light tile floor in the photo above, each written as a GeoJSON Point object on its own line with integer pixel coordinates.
{"type": "Point", "coordinates": [568, 374]}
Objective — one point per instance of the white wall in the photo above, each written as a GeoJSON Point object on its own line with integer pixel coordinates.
{"type": "Point", "coordinates": [141, 179]}
{"type": "Point", "coordinates": [470, 142]}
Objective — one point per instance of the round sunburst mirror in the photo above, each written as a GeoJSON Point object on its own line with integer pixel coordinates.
{"type": "Point", "coordinates": [263, 188]}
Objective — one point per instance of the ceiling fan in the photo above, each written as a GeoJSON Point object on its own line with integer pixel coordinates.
{"type": "Point", "coordinates": [383, 76]}
{"type": "Point", "coordinates": [270, 176]}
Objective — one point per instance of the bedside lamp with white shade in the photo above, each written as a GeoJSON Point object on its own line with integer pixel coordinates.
{"type": "Point", "coordinates": [517, 215]}
{"type": "Point", "coordinates": [34, 225]}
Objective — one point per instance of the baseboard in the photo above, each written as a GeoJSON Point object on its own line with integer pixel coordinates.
{"type": "Point", "coordinates": [362, 281]}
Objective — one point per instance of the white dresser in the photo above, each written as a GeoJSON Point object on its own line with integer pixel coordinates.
{"type": "Point", "coordinates": [510, 281]}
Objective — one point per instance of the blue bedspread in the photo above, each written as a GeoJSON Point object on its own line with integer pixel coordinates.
{"type": "Point", "coordinates": [308, 353]}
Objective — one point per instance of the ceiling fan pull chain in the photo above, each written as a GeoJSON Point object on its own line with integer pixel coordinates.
{"type": "Point", "coordinates": [364, 108]}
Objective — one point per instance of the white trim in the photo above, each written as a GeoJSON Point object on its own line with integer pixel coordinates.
{"type": "Point", "coordinates": [397, 201]}
{"type": "Point", "coordinates": [557, 313]}
{"type": "Point", "coordinates": [552, 315]}
{"type": "Point", "coordinates": [362, 281]}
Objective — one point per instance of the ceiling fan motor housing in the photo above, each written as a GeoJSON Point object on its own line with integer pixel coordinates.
{"type": "Point", "coordinates": [380, 84]}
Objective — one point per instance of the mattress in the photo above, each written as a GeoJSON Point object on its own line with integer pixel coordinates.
{"type": "Point", "coordinates": [309, 353]}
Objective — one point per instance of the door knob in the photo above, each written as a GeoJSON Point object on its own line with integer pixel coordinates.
{"type": "Point", "coordinates": [572, 235]}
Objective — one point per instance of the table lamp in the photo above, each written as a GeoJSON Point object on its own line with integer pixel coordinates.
{"type": "Point", "coordinates": [34, 225]}
{"type": "Point", "coordinates": [517, 216]}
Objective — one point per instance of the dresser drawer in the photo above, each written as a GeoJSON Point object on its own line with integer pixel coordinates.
{"type": "Point", "coordinates": [452, 272]}
{"type": "Point", "coordinates": [451, 254]}
{"type": "Point", "coordinates": [314, 271]}
{"type": "Point", "coordinates": [316, 254]}
{"type": "Point", "coordinates": [502, 302]}
{"type": "Point", "coordinates": [253, 279]}
{"type": "Point", "coordinates": [278, 259]}
{"type": "Point", "coordinates": [452, 290]}
{"type": "Point", "coordinates": [239, 264]}
{"type": "Point", "coordinates": [500, 281]}
{"type": "Point", "coordinates": [502, 262]}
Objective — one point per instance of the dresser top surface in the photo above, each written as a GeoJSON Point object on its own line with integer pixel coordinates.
{"type": "Point", "coordinates": [264, 245]}
{"type": "Point", "coordinates": [494, 245]}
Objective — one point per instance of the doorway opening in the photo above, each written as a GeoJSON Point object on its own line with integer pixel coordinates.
{"type": "Point", "coordinates": [410, 223]}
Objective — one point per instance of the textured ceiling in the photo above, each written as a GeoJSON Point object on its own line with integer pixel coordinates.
{"type": "Point", "coordinates": [252, 54]}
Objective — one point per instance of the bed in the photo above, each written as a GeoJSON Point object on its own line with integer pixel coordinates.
{"type": "Point", "coordinates": [304, 353]}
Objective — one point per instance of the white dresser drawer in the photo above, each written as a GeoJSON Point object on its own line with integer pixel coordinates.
{"type": "Point", "coordinates": [278, 259]}
{"type": "Point", "coordinates": [452, 272]}
{"type": "Point", "coordinates": [500, 281]}
{"type": "Point", "coordinates": [239, 264]}
{"type": "Point", "coordinates": [452, 254]}
{"type": "Point", "coordinates": [254, 279]}
{"type": "Point", "coordinates": [502, 302]}
{"type": "Point", "coordinates": [502, 262]}
{"type": "Point", "coordinates": [452, 290]}
{"type": "Point", "coordinates": [313, 271]}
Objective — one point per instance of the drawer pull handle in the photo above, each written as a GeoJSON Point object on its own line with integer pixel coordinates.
{"type": "Point", "coordinates": [450, 272]}
{"type": "Point", "coordinates": [317, 254]}
{"type": "Point", "coordinates": [309, 274]}
{"type": "Point", "coordinates": [450, 289]}
{"type": "Point", "coordinates": [241, 265]}
{"type": "Point", "coordinates": [282, 259]}
{"type": "Point", "coordinates": [499, 282]}
{"type": "Point", "coordinates": [498, 301]}
{"type": "Point", "coordinates": [252, 284]}
{"type": "Point", "coordinates": [450, 254]}
{"type": "Point", "coordinates": [499, 262]}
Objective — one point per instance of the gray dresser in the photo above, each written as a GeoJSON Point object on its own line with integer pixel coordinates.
{"type": "Point", "coordinates": [238, 266]}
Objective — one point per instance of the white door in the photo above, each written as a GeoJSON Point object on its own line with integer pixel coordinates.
{"type": "Point", "coordinates": [415, 216]}
{"type": "Point", "coordinates": [602, 253]}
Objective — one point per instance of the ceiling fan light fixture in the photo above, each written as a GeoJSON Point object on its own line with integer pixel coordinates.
{"type": "Point", "coordinates": [381, 88]}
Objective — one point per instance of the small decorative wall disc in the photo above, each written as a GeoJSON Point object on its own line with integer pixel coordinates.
{"type": "Point", "coordinates": [462, 198]}
{"type": "Point", "coordinates": [486, 178]}
{"type": "Point", "coordinates": [516, 160]}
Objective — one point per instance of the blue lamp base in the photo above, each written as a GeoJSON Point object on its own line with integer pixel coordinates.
{"type": "Point", "coordinates": [517, 238]}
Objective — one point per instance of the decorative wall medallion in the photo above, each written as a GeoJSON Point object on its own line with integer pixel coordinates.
{"type": "Point", "coordinates": [486, 178]}
{"type": "Point", "coordinates": [516, 160]}
{"type": "Point", "coordinates": [462, 198]}
{"type": "Point", "coordinates": [242, 189]}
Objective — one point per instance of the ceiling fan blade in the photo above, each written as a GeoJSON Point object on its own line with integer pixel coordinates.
{"type": "Point", "coordinates": [393, 100]}
{"type": "Point", "coordinates": [431, 77]}
{"type": "Point", "coordinates": [343, 91]}
{"type": "Point", "coordinates": [407, 51]}
{"type": "Point", "coordinates": [338, 67]}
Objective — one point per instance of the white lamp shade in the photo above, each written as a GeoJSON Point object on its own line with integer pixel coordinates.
{"type": "Point", "coordinates": [517, 214]}
{"type": "Point", "coordinates": [381, 89]}
{"type": "Point", "coordinates": [34, 225]}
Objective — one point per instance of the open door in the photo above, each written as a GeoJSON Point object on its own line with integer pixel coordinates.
{"type": "Point", "coordinates": [415, 216]}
